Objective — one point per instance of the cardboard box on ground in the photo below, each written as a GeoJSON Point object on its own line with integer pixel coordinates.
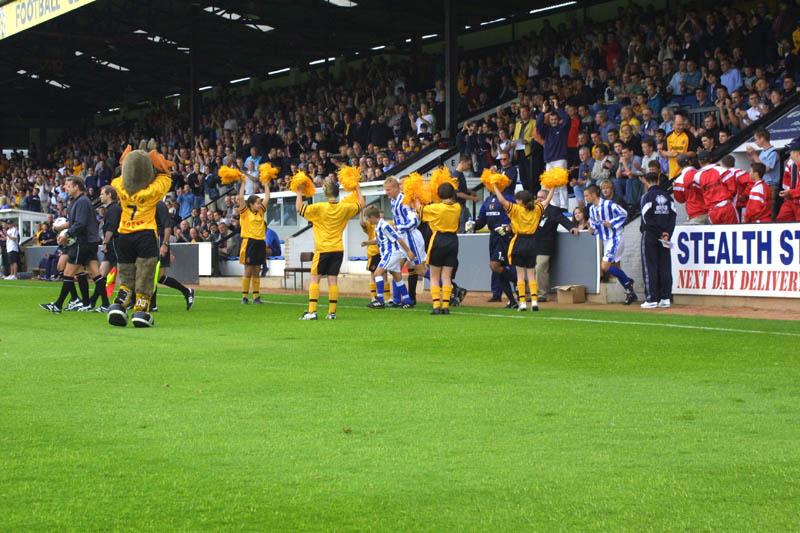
{"type": "Point", "coordinates": [571, 294]}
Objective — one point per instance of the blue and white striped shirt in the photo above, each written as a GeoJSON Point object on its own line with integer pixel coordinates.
{"type": "Point", "coordinates": [607, 210]}
{"type": "Point", "coordinates": [404, 217]}
{"type": "Point", "coordinates": [386, 237]}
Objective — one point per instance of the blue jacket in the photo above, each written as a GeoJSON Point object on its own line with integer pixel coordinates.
{"type": "Point", "coordinates": [658, 212]}
{"type": "Point", "coordinates": [555, 139]}
{"type": "Point", "coordinates": [273, 242]}
{"type": "Point", "coordinates": [492, 213]}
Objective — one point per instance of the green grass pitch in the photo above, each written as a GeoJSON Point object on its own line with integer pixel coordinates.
{"type": "Point", "coordinates": [232, 417]}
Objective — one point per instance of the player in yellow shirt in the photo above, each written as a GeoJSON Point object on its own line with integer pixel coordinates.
{"type": "Point", "coordinates": [253, 250]}
{"type": "Point", "coordinates": [442, 254]}
{"type": "Point", "coordinates": [329, 220]}
{"type": "Point", "coordinates": [525, 216]}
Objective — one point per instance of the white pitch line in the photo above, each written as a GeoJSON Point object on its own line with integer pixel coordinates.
{"type": "Point", "coordinates": [493, 315]}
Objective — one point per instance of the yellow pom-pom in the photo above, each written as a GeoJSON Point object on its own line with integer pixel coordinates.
{"type": "Point", "coordinates": [351, 198]}
{"type": "Point", "coordinates": [489, 178]}
{"type": "Point", "coordinates": [302, 183]}
{"type": "Point", "coordinates": [267, 172]}
{"type": "Point", "coordinates": [439, 176]}
{"type": "Point", "coordinates": [554, 178]}
{"type": "Point", "coordinates": [349, 177]}
{"type": "Point", "coordinates": [415, 186]}
{"type": "Point", "coordinates": [229, 175]}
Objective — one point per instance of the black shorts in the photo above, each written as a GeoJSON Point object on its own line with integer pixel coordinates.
{"type": "Point", "coordinates": [373, 262]}
{"type": "Point", "coordinates": [13, 257]}
{"type": "Point", "coordinates": [521, 253]}
{"type": "Point", "coordinates": [498, 248]}
{"type": "Point", "coordinates": [82, 253]}
{"type": "Point", "coordinates": [111, 254]}
{"type": "Point", "coordinates": [255, 254]}
{"type": "Point", "coordinates": [444, 250]}
{"type": "Point", "coordinates": [132, 246]}
{"type": "Point", "coordinates": [327, 263]}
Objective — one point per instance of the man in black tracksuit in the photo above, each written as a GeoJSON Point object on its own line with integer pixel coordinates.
{"type": "Point", "coordinates": [83, 227]}
{"type": "Point", "coordinates": [658, 223]}
{"type": "Point", "coordinates": [544, 242]}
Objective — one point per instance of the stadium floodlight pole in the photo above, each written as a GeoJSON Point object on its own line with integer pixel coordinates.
{"type": "Point", "coordinates": [194, 93]}
{"type": "Point", "coordinates": [450, 69]}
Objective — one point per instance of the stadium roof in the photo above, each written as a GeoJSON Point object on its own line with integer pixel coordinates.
{"type": "Point", "coordinates": [114, 51]}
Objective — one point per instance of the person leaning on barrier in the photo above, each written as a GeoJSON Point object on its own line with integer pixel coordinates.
{"type": "Point", "coordinates": [544, 241]}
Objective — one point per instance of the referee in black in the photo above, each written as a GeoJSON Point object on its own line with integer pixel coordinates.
{"type": "Point", "coordinates": [82, 255]}
{"type": "Point", "coordinates": [165, 224]}
{"type": "Point", "coordinates": [657, 226]}
{"type": "Point", "coordinates": [110, 233]}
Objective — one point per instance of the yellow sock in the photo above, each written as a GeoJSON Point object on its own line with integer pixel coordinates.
{"type": "Point", "coordinates": [521, 289]}
{"type": "Point", "coordinates": [435, 289]}
{"type": "Point", "coordinates": [373, 289]}
{"type": "Point", "coordinates": [313, 297]}
{"type": "Point", "coordinates": [447, 291]}
{"type": "Point", "coordinates": [256, 284]}
{"type": "Point", "coordinates": [245, 287]}
{"type": "Point", "coordinates": [387, 291]}
{"type": "Point", "coordinates": [534, 288]}
{"type": "Point", "coordinates": [333, 298]}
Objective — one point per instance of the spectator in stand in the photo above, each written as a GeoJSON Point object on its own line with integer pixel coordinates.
{"type": "Point", "coordinates": [584, 175]}
{"type": "Point", "coordinates": [605, 164]}
{"type": "Point", "coordinates": [553, 126]}
{"type": "Point", "coordinates": [771, 160]}
{"type": "Point", "coordinates": [524, 155]}
{"type": "Point", "coordinates": [679, 141]}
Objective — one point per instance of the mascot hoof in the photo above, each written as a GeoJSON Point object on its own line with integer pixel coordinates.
{"type": "Point", "coordinates": [142, 319]}
{"type": "Point", "coordinates": [117, 315]}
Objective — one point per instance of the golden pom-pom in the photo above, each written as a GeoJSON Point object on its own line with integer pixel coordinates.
{"type": "Point", "coordinates": [303, 184]}
{"type": "Point", "coordinates": [489, 178]}
{"type": "Point", "coordinates": [554, 178]}
{"type": "Point", "coordinates": [266, 172]}
{"type": "Point", "coordinates": [415, 186]}
{"type": "Point", "coordinates": [351, 198]}
{"type": "Point", "coordinates": [439, 176]}
{"type": "Point", "coordinates": [349, 177]}
{"type": "Point", "coordinates": [229, 175]}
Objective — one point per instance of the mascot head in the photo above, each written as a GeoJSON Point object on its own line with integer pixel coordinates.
{"type": "Point", "coordinates": [139, 167]}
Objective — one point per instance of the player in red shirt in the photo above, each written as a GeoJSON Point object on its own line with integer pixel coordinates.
{"type": "Point", "coordinates": [719, 190]}
{"type": "Point", "coordinates": [743, 183]}
{"type": "Point", "coordinates": [759, 203]}
{"type": "Point", "coordinates": [686, 192]}
{"type": "Point", "coordinates": [790, 210]}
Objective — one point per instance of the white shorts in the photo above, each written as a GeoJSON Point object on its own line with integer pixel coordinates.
{"type": "Point", "coordinates": [394, 262]}
{"type": "Point", "coordinates": [612, 250]}
{"type": "Point", "coordinates": [416, 243]}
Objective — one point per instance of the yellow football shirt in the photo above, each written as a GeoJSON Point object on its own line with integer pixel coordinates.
{"type": "Point", "coordinates": [678, 142]}
{"type": "Point", "coordinates": [523, 221]}
{"type": "Point", "coordinates": [329, 220]}
{"type": "Point", "coordinates": [139, 209]}
{"type": "Point", "coordinates": [442, 216]}
{"type": "Point", "coordinates": [369, 229]}
{"type": "Point", "coordinates": [252, 224]}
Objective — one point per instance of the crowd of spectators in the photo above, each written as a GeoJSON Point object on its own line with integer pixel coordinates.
{"type": "Point", "coordinates": [620, 89]}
